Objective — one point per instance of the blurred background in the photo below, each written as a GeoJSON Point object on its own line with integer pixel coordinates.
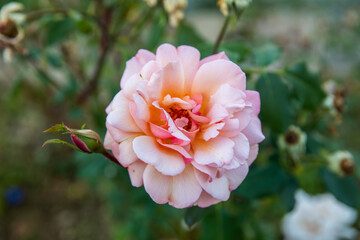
{"type": "Point", "coordinates": [68, 66]}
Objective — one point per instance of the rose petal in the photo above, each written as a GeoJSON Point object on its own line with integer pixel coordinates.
{"type": "Point", "coordinates": [166, 53]}
{"type": "Point", "coordinates": [122, 120]}
{"type": "Point", "coordinates": [172, 77]}
{"type": "Point", "coordinates": [254, 98]}
{"type": "Point", "coordinates": [218, 151]}
{"type": "Point", "coordinates": [157, 185]}
{"type": "Point", "coordinates": [190, 59]}
{"type": "Point", "coordinates": [126, 155]}
{"type": "Point", "coordinates": [212, 75]}
{"type": "Point", "coordinates": [206, 200]}
{"type": "Point", "coordinates": [136, 171]}
{"type": "Point", "coordinates": [186, 189]}
{"type": "Point", "coordinates": [216, 187]}
{"type": "Point", "coordinates": [242, 147]}
{"type": "Point", "coordinates": [254, 149]}
{"type": "Point", "coordinates": [220, 55]}
{"type": "Point", "coordinates": [166, 161]}
{"type": "Point", "coordinates": [253, 131]}
{"type": "Point", "coordinates": [135, 64]}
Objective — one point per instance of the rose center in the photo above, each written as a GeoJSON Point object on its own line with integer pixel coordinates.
{"type": "Point", "coordinates": [176, 112]}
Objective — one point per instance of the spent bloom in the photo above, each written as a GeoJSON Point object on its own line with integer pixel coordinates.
{"type": "Point", "coordinates": [320, 217]}
{"type": "Point", "coordinates": [175, 10]}
{"type": "Point", "coordinates": [293, 142]}
{"type": "Point", "coordinates": [187, 129]}
{"type": "Point", "coordinates": [11, 34]}
{"type": "Point", "coordinates": [341, 163]}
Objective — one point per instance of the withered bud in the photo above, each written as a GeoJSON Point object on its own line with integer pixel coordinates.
{"type": "Point", "coordinates": [347, 166]}
{"type": "Point", "coordinates": [292, 137]}
{"type": "Point", "coordinates": [8, 29]}
{"type": "Point", "coordinates": [342, 163]}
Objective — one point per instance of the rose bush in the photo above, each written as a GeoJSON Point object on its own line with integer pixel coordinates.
{"type": "Point", "coordinates": [187, 129]}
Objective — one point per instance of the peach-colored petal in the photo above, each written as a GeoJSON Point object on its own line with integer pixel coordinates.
{"type": "Point", "coordinates": [154, 86]}
{"type": "Point", "coordinates": [118, 135]}
{"type": "Point", "coordinates": [242, 147]}
{"type": "Point", "coordinates": [149, 69]}
{"type": "Point", "coordinates": [212, 131]}
{"type": "Point", "coordinates": [136, 171]}
{"type": "Point", "coordinates": [140, 123]}
{"type": "Point", "coordinates": [206, 200]}
{"type": "Point", "coordinates": [236, 176]}
{"type": "Point", "coordinates": [217, 151]}
{"type": "Point", "coordinates": [254, 98]}
{"type": "Point", "coordinates": [212, 75]}
{"type": "Point", "coordinates": [190, 59]}
{"type": "Point", "coordinates": [254, 149]}
{"type": "Point", "coordinates": [159, 132]}
{"type": "Point", "coordinates": [211, 171]}
{"type": "Point", "coordinates": [186, 189]}
{"type": "Point", "coordinates": [165, 160]}
{"type": "Point", "coordinates": [172, 77]}
{"type": "Point", "coordinates": [216, 187]}
{"type": "Point", "coordinates": [244, 116]}
{"type": "Point", "coordinates": [122, 120]}
{"type": "Point", "coordinates": [231, 98]}
{"type": "Point", "coordinates": [135, 64]}
{"type": "Point", "coordinates": [126, 155]}
{"type": "Point", "coordinates": [188, 158]}
{"type": "Point", "coordinates": [142, 109]}
{"type": "Point", "coordinates": [253, 131]}
{"type": "Point", "coordinates": [130, 86]}
{"type": "Point", "coordinates": [157, 185]}
{"type": "Point", "coordinates": [217, 113]}
{"type": "Point", "coordinates": [166, 53]}
{"type": "Point", "coordinates": [220, 55]}
{"type": "Point", "coordinates": [108, 140]}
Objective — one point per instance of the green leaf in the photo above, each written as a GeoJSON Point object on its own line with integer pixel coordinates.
{"type": "Point", "coordinates": [57, 128]}
{"type": "Point", "coordinates": [306, 86]}
{"type": "Point", "coordinates": [275, 102]}
{"type": "Point", "coordinates": [263, 181]}
{"type": "Point", "coordinates": [266, 54]}
{"type": "Point", "coordinates": [58, 30]}
{"type": "Point", "coordinates": [56, 141]}
{"type": "Point", "coordinates": [344, 189]}
{"type": "Point", "coordinates": [194, 215]}
{"type": "Point", "coordinates": [187, 35]}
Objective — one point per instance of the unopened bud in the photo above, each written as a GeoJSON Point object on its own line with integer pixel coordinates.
{"type": "Point", "coordinates": [341, 163]}
{"type": "Point", "coordinates": [87, 140]}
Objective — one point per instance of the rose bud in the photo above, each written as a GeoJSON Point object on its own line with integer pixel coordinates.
{"type": "Point", "coordinates": [87, 141]}
{"type": "Point", "coordinates": [342, 163]}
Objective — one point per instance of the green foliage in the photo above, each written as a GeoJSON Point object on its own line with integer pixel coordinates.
{"type": "Point", "coordinates": [267, 54]}
{"type": "Point", "coordinates": [276, 110]}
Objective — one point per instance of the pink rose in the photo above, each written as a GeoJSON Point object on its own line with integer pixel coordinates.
{"type": "Point", "coordinates": [186, 129]}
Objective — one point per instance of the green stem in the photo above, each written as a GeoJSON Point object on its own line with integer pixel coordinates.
{"type": "Point", "coordinates": [219, 222]}
{"type": "Point", "coordinates": [221, 34]}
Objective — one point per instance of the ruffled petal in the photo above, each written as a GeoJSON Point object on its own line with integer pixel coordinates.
{"type": "Point", "coordinates": [157, 185]}
{"type": "Point", "coordinates": [166, 161]}
{"type": "Point", "coordinates": [220, 55]}
{"type": "Point", "coordinates": [253, 131]}
{"type": "Point", "coordinates": [166, 53]}
{"type": "Point", "coordinates": [217, 151]}
{"type": "Point", "coordinates": [216, 187]}
{"type": "Point", "coordinates": [212, 75]}
{"type": "Point", "coordinates": [135, 64]}
{"type": "Point", "coordinates": [136, 171]}
{"type": "Point", "coordinates": [190, 59]}
{"type": "Point", "coordinates": [186, 189]}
